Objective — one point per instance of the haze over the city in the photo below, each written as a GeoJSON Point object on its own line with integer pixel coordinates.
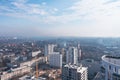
{"type": "Point", "coordinates": [79, 18]}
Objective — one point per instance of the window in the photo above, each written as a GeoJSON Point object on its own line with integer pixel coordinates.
{"type": "Point", "coordinates": [109, 67]}
{"type": "Point", "coordinates": [119, 71]}
{"type": "Point", "coordinates": [115, 70]}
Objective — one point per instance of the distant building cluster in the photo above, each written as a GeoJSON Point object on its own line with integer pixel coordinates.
{"type": "Point", "coordinates": [55, 60]}
{"type": "Point", "coordinates": [15, 72]}
{"type": "Point", "coordinates": [71, 70]}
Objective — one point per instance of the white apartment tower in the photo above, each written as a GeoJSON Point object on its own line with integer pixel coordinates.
{"type": "Point", "coordinates": [72, 55]}
{"type": "Point", "coordinates": [55, 59]}
{"type": "Point", "coordinates": [49, 49]}
{"type": "Point", "coordinates": [79, 53]}
{"type": "Point", "coordinates": [74, 72]}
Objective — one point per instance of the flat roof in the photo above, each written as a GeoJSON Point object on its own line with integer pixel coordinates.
{"type": "Point", "coordinates": [78, 68]}
{"type": "Point", "coordinates": [73, 66]}
{"type": "Point", "coordinates": [26, 77]}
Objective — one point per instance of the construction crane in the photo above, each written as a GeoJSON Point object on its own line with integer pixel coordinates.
{"type": "Point", "coordinates": [37, 73]}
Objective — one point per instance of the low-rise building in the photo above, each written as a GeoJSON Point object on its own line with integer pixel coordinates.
{"type": "Point", "coordinates": [26, 77]}
{"type": "Point", "coordinates": [15, 72]}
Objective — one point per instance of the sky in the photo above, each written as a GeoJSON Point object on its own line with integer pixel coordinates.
{"type": "Point", "coordinates": [75, 18]}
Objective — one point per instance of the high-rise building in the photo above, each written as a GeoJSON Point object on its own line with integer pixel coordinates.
{"type": "Point", "coordinates": [111, 67]}
{"type": "Point", "coordinates": [49, 49]}
{"type": "Point", "coordinates": [74, 72]}
{"type": "Point", "coordinates": [72, 55]}
{"type": "Point", "coordinates": [79, 53]}
{"type": "Point", "coordinates": [55, 59]}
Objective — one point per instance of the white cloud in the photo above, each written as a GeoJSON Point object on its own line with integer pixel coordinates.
{"type": "Point", "coordinates": [103, 14]}
{"type": "Point", "coordinates": [90, 10]}
{"type": "Point", "coordinates": [29, 8]}
{"type": "Point", "coordinates": [95, 9]}
{"type": "Point", "coordinates": [55, 9]}
{"type": "Point", "coordinates": [44, 3]}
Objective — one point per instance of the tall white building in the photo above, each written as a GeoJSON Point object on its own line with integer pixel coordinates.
{"type": "Point", "coordinates": [74, 72]}
{"type": "Point", "coordinates": [79, 53]}
{"type": "Point", "coordinates": [111, 67]}
{"type": "Point", "coordinates": [49, 49]}
{"type": "Point", "coordinates": [72, 55]}
{"type": "Point", "coordinates": [55, 59]}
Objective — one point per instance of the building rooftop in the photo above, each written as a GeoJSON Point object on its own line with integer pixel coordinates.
{"type": "Point", "coordinates": [79, 68]}
{"type": "Point", "coordinates": [115, 60]}
{"type": "Point", "coordinates": [19, 68]}
{"type": "Point", "coordinates": [26, 77]}
{"type": "Point", "coordinates": [73, 66]}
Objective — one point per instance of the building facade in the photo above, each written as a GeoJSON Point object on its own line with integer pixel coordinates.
{"type": "Point", "coordinates": [15, 72]}
{"type": "Point", "coordinates": [49, 48]}
{"type": "Point", "coordinates": [79, 53]}
{"type": "Point", "coordinates": [35, 53]}
{"type": "Point", "coordinates": [55, 59]}
{"type": "Point", "coordinates": [74, 72]}
{"type": "Point", "coordinates": [72, 55]}
{"type": "Point", "coordinates": [111, 67]}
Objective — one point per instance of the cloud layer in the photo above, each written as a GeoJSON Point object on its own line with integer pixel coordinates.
{"type": "Point", "coordinates": [86, 17]}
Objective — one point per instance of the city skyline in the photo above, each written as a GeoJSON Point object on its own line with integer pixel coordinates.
{"type": "Point", "coordinates": [78, 18]}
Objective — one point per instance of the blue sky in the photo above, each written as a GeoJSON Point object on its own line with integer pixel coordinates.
{"type": "Point", "coordinates": [78, 18]}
